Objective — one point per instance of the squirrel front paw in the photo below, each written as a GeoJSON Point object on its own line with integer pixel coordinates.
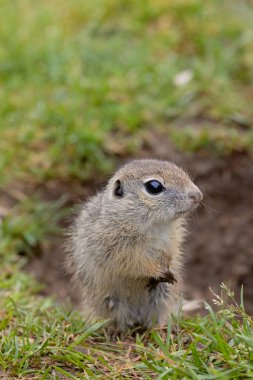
{"type": "Point", "coordinates": [168, 277]}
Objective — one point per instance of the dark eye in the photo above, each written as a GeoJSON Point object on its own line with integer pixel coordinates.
{"type": "Point", "coordinates": [154, 187]}
{"type": "Point", "coordinates": [118, 189]}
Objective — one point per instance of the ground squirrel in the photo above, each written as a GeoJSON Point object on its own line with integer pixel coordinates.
{"type": "Point", "coordinates": [125, 245]}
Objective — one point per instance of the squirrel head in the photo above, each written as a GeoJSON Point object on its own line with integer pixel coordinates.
{"type": "Point", "coordinates": [147, 192]}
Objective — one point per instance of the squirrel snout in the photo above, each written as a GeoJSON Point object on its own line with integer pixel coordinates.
{"type": "Point", "coordinates": [195, 196]}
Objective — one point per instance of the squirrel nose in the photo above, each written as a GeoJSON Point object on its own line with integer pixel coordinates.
{"type": "Point", "coordinates": [195, 196]}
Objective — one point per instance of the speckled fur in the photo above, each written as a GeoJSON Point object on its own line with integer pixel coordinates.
{"type": "Point", "coordinates": [117, 244]}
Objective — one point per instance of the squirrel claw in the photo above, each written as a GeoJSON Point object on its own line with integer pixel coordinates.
{"type": "Point", "coordinates": [167, 277]}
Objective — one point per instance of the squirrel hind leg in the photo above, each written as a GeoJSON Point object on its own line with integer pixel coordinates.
{"type": "Point", "coordinates": [158, 308]}
{"type": "Point", "coordinates": [111, 303]}
{"type": "Point", "coordinates": [116, 312]}
{"type": "Point", "coordinates": [123, 319]}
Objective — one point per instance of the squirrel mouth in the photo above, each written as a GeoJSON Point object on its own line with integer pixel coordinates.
{"type": "Point", "coordinates": [186, 211]}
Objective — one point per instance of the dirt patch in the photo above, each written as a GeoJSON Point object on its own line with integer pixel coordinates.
{"type": "Point", "coordinates": [219, 246]}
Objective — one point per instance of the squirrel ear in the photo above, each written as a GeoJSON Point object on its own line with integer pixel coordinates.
{"type": "Point", "coordinates": [118, 189]}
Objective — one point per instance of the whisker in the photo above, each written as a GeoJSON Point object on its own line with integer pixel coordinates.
{"type": "Point", "coordinates": [208, 208]}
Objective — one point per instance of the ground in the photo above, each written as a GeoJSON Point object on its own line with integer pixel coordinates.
{"type": "Point", "coordinates": [219, 246]}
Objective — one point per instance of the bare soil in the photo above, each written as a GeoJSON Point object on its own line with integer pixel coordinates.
{"type": "Point", "coordinates": [219, 246]}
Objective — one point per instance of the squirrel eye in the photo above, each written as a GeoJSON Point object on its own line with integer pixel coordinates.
{"type": "Point", "coordinates": [118, 189]}
{"type": "Point", "coordinates": [154, 187]}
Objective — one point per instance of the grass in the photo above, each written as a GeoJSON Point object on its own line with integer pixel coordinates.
{"type": "Point", "coordinates": [82, 84]}
{"type": "Point", "coordinates": [76, 76]}
{"type": "Point", "coordinates": [40, 340]}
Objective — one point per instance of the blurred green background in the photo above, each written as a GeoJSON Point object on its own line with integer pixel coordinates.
{"type": "Point", "coordinates": [84, 81]}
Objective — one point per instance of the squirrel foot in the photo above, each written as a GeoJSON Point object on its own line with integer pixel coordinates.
{"type": "Point", "coordinates": [167, 277]}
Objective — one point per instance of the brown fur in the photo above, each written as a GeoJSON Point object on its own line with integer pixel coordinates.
{"type": "Point", "coordinates": [118, 244]}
